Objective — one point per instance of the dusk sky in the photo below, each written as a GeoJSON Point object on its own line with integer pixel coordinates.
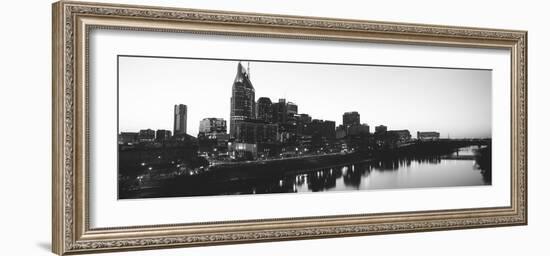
{"type": "Point", "coordinates": [453, 102]}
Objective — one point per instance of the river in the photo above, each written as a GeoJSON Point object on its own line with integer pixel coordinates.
{"type": "Point", "coordinates": [458, 169]}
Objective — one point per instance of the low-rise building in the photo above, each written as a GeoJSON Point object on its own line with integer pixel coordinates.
{"type": "Point", "coordinates": [427, 136]}
{"type": "Point", "coordinates": [401, 136]}
{"type": "Point", "coordinates": [147, 135]}
{"type": "Point", "coordinates": [127, 137]}
{"type": "Point", "coordinates": [163, 135]}
{"type": "Point", "coordinates": [242, 151]}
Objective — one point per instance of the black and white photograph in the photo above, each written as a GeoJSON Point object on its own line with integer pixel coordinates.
{"type": "Point", "coordinates": [211, 127]}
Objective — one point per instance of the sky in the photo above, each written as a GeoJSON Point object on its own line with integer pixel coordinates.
{"type": "Point", "coordinates": [454, 102]}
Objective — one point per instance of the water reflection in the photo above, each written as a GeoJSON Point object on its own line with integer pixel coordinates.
{"type": "Point", "coordinates": [465, 168]}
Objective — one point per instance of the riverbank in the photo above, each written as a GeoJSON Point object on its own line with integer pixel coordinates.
{"type": "Point", "coordinates": [318, 172]}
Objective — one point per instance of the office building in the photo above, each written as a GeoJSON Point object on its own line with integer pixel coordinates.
{"type": "Point", "coordinates": [163, 135]}
{"type": "Point", "coordinates": [380, 129]}
{"type": "Point", "coordinates": [211, 126]}
{"type": "Point", "coordinates": [180, 119]}
{"type": "Point", "coordinates": [351, 118]}
{"type": "Point", "coordinates": [355, 130]}
{"type": "Point", "coordinates": [291, 109]}
{"type": "Point", "coordinates": [264, 109]}
{"type": "Point", "coordinates": [400, 136]}
{"type": "Point", "coordinates": [279, 111]}
{"type": "Point", "coordinates": [242, 99]}
{"type": "Point", "coordinates": [427, 136]}
{"type": "Point", "coordinates": [128, 137]}
{"type": "Point", "coordinates": [341, 132]}
{"type": "Point", "coordinates": [147, 135]}
{"type": "Point", "coordinates": [322, 128]}
{"type": "Point", "coordinates": [255, 131]}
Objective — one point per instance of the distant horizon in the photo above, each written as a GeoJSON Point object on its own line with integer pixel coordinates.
{"type": "Point", "coordinates": [454, 102]}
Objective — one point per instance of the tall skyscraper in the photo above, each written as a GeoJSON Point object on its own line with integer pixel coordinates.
{"type": "Point", "coordinates": [180, 119]}
{"type": "Point", "coordinates": [264, 111]}
{"type": "Point", "coordinates": [351, 119]}
{"type": "Point", "coordinates": [242, 99]}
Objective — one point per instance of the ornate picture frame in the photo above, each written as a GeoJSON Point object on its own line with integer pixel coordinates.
{"type": "Point", "coordinates": [72, 23]}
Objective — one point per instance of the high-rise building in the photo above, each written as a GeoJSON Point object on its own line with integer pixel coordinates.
{"type": "Point", "coordinates": [211, 126]}
{"type": "Point", "coordinates": [362, 129]}
{"type": "Point", "coordinates": [341, 132]}
{"type": "Point", "coordinates": [291, 108]}
{"type": "Point", "coordinates": [255, 131]}
{"type": "Point", "coordinates": [163, 135]}
{"type": "Point", "coordinates": [351, 119]}
{"type": "Point", "coordinates": [279, 111]}
{"type": "Point", "coordinates": [242, 99]}
{"type": "Point", "coordinates": [180, 119]}
{"type": "Point", "coordinates": [305, 118]}
{"type": "Point", "coordinates": [323, 128]}
{"type": "Point", "coordinates": [284, 111]}
{"type": "Point", "coordinates": [302, 125]}
{"type": "Point", "coordinates": [264, 110]}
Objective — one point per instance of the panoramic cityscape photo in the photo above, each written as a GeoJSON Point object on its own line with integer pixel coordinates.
{"type": "Point", "coordinates": [203, 127]}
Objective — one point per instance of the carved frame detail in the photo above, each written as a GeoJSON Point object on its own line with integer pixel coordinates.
{"type": "Point", "coordinates": [71, 233]}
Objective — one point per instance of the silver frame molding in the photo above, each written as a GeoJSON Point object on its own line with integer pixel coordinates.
{"type": "Point", "coordinates": [72, 22]}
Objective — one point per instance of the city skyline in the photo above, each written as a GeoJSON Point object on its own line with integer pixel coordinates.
{"type": "Point", "coordinates": [146, 86]}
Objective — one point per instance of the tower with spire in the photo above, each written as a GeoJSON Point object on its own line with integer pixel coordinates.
{"type": "Point", "coordinates": [242, 98]}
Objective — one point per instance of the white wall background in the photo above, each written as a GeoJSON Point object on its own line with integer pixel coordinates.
{"type": "Point", "coordinates": [25, 148]}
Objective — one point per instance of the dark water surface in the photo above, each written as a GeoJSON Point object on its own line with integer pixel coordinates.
{"type": "Point", "coordinates": [405, 172]}
{"type": "Point", "coordinates": [458, 169]}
